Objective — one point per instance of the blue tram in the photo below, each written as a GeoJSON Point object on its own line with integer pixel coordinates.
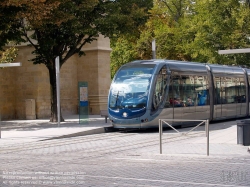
{"type": "Point", "coordinates": [147, 90]}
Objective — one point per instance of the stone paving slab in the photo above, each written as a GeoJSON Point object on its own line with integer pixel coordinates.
{"type": "Point", "coordinates": [18, 131]}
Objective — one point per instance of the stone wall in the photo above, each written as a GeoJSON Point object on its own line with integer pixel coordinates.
{"type": "Point", "coordinates": [32, 82]}
{"type": "Point", "coordinates": [7, 93]}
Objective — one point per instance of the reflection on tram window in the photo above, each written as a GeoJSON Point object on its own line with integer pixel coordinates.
{"type": "Point", "coordinates": [187, 91]}
{"type": "Point", "coordinates": [229, 90]}
{"type": "Point", "coordinates": [130, 88]}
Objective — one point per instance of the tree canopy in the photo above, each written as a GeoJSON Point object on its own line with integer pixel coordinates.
{"type": "Point", "coordinates": [190, 30]}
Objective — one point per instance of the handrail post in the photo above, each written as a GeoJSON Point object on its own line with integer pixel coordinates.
{"type": "Point", "coordinates": [160, 133]}
{"type": "Point", "coordinates": [207, 130]}
{"type": "Point", "coordinates": [206, 127]}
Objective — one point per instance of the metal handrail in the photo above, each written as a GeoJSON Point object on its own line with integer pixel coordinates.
{"type": "Point", "coordinates": [202, 121]}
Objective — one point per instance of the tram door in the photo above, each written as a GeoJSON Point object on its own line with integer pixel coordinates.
{"type": "Point", "coordinates": [230, 99]}
{"type": "Point", "coordinates": [219, 104]}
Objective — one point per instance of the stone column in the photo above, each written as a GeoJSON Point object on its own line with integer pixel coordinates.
{"type": "Point", "coordinates": [94, 68]}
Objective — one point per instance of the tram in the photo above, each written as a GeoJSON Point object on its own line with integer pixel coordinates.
{"type": "Point", "coordinates": [144, 91]}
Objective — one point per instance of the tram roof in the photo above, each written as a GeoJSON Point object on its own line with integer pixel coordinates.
{"type": "Point", "coordinates": [194, 66]}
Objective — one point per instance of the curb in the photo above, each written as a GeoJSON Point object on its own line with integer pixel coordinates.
{"type": "Point", "coordinates": [84, 133]}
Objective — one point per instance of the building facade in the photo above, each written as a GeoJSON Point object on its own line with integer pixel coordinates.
{"type": "Point", "coordinates": [25, 90]}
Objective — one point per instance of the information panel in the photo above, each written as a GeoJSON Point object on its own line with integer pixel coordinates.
{"type": "Point", "coordinates": [83, 103]}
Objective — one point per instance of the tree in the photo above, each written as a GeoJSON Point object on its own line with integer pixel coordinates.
{"type": "Point", "coordinates": [62, 27]}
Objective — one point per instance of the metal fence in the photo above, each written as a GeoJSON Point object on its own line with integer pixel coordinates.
{"type": "Point", "coordinates": [161, 121]}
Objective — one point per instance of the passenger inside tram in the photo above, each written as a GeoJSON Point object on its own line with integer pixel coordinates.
{"type": "Point", "coordinates": [202, 97]}
{"type": "Point", "coordinates": [190, 101]}
{"type": "Point", "coordinates": [177, 102]}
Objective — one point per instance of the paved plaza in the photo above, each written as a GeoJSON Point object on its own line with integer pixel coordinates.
{"type": "Point", "coordinates": [60, 156]}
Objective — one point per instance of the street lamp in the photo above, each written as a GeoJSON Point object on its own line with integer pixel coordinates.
{"type": "Point", "coordinates": [234, 51]}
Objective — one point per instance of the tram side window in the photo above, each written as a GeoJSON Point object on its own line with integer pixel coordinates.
{"type": "Point", "coordinates": [187, 91]}
{"type": "Point", "coordinates": [240, 90]}
{"type": "Point", "coordinates": [201, 88]}
{"type": "Point", "coordinates": [217, 85]}
{"type": "Point", "coordinates": [221, 87]}
{"type": "Point", "coordinates": [169, 100]}
{"type": "Point", "coordinates": [160, 88]}
{"type": "Point", "coordinates": [177, 95]}
{"type": "Point", "coordinates": [173, 99]}
{"type": "Point", "coordinates": [229, 90]}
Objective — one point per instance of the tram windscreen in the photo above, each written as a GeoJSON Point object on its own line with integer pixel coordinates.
{"type": "Point", "coordinates": [130, 87]}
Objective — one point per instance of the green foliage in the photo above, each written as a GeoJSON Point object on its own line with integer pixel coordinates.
{"type": "Point", "coordinates": [123, 17]}
{"type": "Point", "coordinates": [9, 31]}
{"type": "Point", "coordinates": [9, 24]}
{"type": "Point", "coordinates": [122, 52]}
{"type": "Point", "coordinates": [194, 31]}
{"type": "Point", "coordinates": [217, 25]}
{"type": "Point", "coordinates": [8, 55]}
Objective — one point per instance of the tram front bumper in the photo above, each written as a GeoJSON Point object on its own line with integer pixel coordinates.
{"type": "Point", "coordinates": [126, 123]}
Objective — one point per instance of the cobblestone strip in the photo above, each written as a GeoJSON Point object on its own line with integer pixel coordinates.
{"type": "Point", "coordinates": [53, 143]}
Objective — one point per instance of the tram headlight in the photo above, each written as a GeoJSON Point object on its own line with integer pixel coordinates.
{"type": "Point", "coordinates": [125, 114]}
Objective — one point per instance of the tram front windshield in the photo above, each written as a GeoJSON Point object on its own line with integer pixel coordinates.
{"type": "Point", "coordinates": [130, 87]}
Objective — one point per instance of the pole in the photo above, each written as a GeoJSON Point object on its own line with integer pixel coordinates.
{"type": "Point", "coordinates": [153, 49]}
{"type": "Point", "coordinates": [207, 124]}
{"type": "Point", "coordinates": [58, 90]}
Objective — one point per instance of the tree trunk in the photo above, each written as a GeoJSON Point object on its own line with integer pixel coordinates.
{"type": "Point", "coordinates": [52, 76]}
